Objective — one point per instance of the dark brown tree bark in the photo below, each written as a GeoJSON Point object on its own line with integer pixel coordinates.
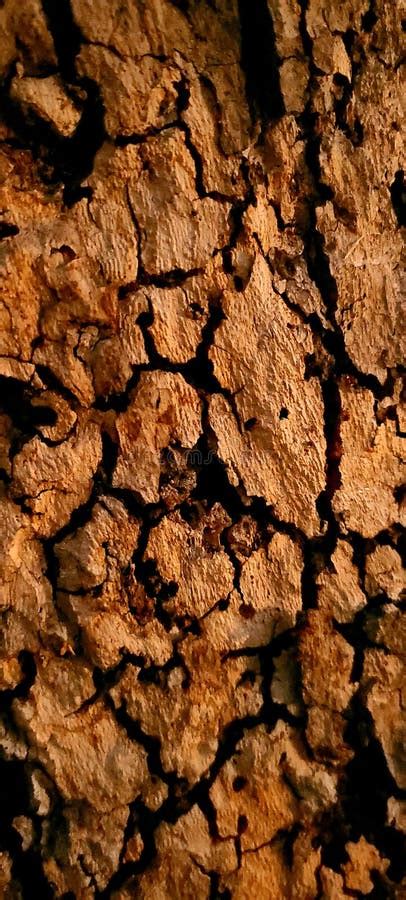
{"type": "Point", "coordinates": [202, 655]}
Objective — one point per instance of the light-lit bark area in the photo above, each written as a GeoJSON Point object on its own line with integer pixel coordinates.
{"type": "Point", "coordinates": [202, 683]}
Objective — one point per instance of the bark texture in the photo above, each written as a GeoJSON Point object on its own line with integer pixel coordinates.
{"type": "Point", "coordinates": [202, 649]}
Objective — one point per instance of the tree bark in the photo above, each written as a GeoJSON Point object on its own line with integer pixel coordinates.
{"type": "Point", "coordinates": [202, 652]}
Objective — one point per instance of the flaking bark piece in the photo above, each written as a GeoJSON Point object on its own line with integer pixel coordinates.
{"type": "Point", "coordinates": [339, 592]}
{"type": "Point", "coordinates": [13, 368]}
{"type": "Point", "coordinates": [120, 348]}
{"type": "Point", "coordinates": [82, 747]}
{"type": "Point", "coordinates": [110, 608]}
{"type": "Point", "coordinates": [286, 19]}
{"type": "Point", "coordinates": [325, 733]}
{"type": "Point", "coordinates": [267, 785]}
{"type": "Point", "coordinates": [281, 457]}
{"type": "Point", "coordinates": [364, 860]}
{"type": "Point", "coordinates": [330, 684]}
{"type": "Point", "coordinates": [305, 868]}
{"type": "Point", "coordinates": [186, 855]}
{"type": "Point", "coordinates": [108, 634]}
{"type": "Point", "coordinates": [10, 673]}
{"type": "Point", "coordinates": [104, 544]}
{"type": "Point", "coordinates": [332, 884]}
{"type": "Point", "coordinates": [178, 230]}
{"type": "Point", "coordinates": [270, 582]}
{"type": "Point", "coordinates": [23, 28]}
{"type": "Point", "coordinates": [42, 791]}
{"type": "Point", "coordinates": [209, 37]}
{"type": "Point", "coordinates": [63, 359]}
{"type": "Point", "coordinates": [181, 312]}
{"type": "Point", "coordinates": [26, 597]}
{"type": "Point", "coordinates": [262, 873]}
{"type": "Point", "coordinates": [201, 573]}
{"type": "Point", "coordinates": [163, 409]}
{"type": "Point", "coordinates": [266, 602]}
{"type": "Point", "coordinates": [106, 221]}
{"type": "Point", "coordinates": [329, 52]}
{"type": "Point", "coordinates": [85, 853]}
{"type": "Point", "coordinates": [56, 480]}
{"type": "Point", "coordinates": [23, 290]}
{"type": "Point", "coordinates": [221, 171]}
{"type": "Point", "coordinates": [326, 661]}
{"type": "Point", "coordinates": [172, 710]}
{"type": "Point", "coordinates": [364, 241]}
{"type": "Point", "coordinates": [47, 98]}
{"type": "Point", "coordinates": [384, 680]}
{"type": "Point", "coordinates": [65, 416]}
{"type": "Point", "coordinates": [148, 90]}
{"type": "Point", "coordinates": [177, 328]}
{"type": "Point", "coordinates": [372, 466]}
{"type": "Point", "coordinates": [282, 159]}
{"type": "Point", "coordinates": [384, 573]}
{"type": "Point", "coordinates": [24, 827]}
{"type": "Point", "coordinates": [388, 629]}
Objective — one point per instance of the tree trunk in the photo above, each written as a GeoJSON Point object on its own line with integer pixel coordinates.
{"type": "Point", "coordinates": [200, 449]}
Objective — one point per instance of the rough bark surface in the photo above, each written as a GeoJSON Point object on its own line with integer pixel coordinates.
{"type": "Point", "coordinates": [202, 648]}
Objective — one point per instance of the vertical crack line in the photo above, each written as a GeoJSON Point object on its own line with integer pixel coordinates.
{"type": "Point", "coordinates": [65, 33]}
{"type": "Point", "coordinates": [260, 62]}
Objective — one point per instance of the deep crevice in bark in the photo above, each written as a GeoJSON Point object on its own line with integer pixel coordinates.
{"type": "Point", "coordinates": [260, 61]}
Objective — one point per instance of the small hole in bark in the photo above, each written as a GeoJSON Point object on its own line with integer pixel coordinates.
{"type": "Point", "coordinates": [283, 413]}
{"type": "Point", "coordinates": [239, 783]}
{"type": "Point", "coordinates": [250, 423]}
{"type": "Point", "coordinates": [242, 824]}
{"type": "Point", "coordinates": [246, 610]}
